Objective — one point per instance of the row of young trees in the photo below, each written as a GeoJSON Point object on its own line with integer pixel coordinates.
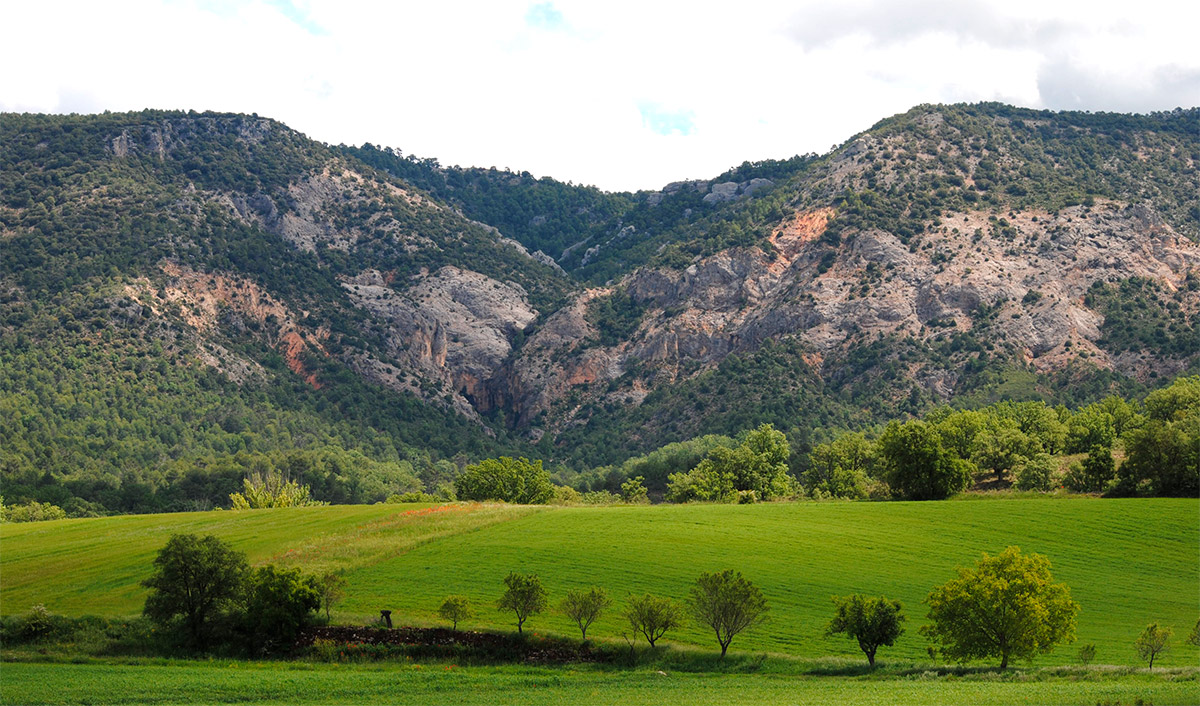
{"type": "Point", "coordinates": [1008, 606]}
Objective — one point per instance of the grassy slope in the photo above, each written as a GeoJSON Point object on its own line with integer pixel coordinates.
{"type": "Point", "coordinates": [1128, 562]}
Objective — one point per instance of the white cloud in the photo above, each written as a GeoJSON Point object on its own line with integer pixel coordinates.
{"type": "Point", "coordinates": [623, 94]}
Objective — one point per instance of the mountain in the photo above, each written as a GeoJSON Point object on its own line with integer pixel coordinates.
{"type": "Point", "coordinates": [177, 289]}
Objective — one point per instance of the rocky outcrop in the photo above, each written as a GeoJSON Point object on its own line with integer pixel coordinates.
{"type": "Point", "coordinates": [453, 327]}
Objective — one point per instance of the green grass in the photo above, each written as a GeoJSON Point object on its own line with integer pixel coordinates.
{"type": "Point", "coordinates": [94, 566]}
{"type": "Point", "coordinates": [1128, 562]}
{"type": "Point", "coordinates": [275, 683]}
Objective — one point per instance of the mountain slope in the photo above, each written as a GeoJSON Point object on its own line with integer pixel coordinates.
{"type": "Point", "coordinates": [179, 288]}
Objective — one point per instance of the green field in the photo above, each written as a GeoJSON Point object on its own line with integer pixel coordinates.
{"type": "Point", "coordinates": [1128, 562]}
{"type": "Point", "coordinates": [274, 683]}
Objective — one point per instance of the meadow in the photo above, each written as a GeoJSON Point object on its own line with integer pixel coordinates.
{"type": "Point", "coordinates": [1128, 562]}
{"type": "Point", "coordinates": [291, 683]}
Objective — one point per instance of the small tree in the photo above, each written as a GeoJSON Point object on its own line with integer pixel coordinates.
{"type": "Point", "coordinates": [195, 578]}
{"type": "Point", "coordinates": [524, 596]}
{"type": "Point", "coordinates": [1087, 653]}
{"type": "Point", "coordinates": [332, 587]}
{"type": "Point", "coordinates": [874, 622]}
{"type": "Point", "coordinates": [1193, 637]}
{"type": "Point", "coordinates": [583, 607]}
{"type": "Point", "coordinates": [651, 616]}
{"type": "Point", "coordinates": [1007, 606]}
{"type": "Point", "coordinates": [454, 609]}
{"type": "Point", "coordinates": [727, 603]}
{"type": "Point", "coordinates": [1153, 641]}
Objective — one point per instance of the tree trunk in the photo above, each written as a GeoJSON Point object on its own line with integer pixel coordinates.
{"type": "Point", "coordinates": [724, 646]}
{"type": "Point", "coordinates": [871, 658]}
{"type": "Point", "coordinates": [1004, 661]}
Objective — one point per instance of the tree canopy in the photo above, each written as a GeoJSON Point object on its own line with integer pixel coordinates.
{"type": "Point", "coordinates": [1007, 606]}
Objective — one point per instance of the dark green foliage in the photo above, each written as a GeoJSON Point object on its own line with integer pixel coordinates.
{"type": "Point", "coordinates": [278, 603]}
{"type": "Point", "coordinates": [917, 465]}
{"type": "Point", "coordinates": [198, 580]}
{"type": "Point", "coordinates": [543, 214]}
{"type": "Point", "coordinates": [615, 317]}
{"type": "Point", "coordinates": [873, 622]}
{"type": "Point", "coordinates": [1140, 316]}
{"type": "Point", "coordinates": [1092, 474]}
{"type": "Point", "coordinates": [507, 479]}
{"type": "Point", "coordinates": [1163, 456]}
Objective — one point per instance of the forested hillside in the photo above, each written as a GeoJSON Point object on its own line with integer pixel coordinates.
{"type": "Point", "coordinates": [188, 298]}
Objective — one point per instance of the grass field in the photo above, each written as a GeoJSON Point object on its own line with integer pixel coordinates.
{"type": "Point", "coordinates": [1128, 562]}
{"type": "Point", "coordinates": [274, 683]}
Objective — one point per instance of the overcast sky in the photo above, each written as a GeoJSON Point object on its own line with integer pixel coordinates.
{"type": "Point", "coordinates": [620, 94]}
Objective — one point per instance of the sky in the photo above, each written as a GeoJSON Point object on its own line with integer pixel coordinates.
{"type": "Point", "coordinates": [622, 94]}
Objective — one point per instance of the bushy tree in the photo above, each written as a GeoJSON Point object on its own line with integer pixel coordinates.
{"type": "Point", "coordinates": [1153, 641]}
{"type": "Point", "coordinates": [510, 480]}
{"type": "Point", "coordinates": [1036, 473]}
{"type": "Point", "coordinates": [873, 622]}
{"type": "Point", "coordinates": [652, 616]}
{"type": "Point", "coordinates": [1087, 653]}
{"type": "Point", "coordinates": [1162, 457]}
{"type": "Point", "coordinates": [632, 491]}
{"type": "Point", "coordinates": [278, 603]}
{"type": "Point", "coordinates": [1007, 606]}
{"type": "Point", "coordinates": [758, 464]}
{"type": "Point", "coordinates": [916, 464]}
{"type": "Point", "coordinates": [1193, 637]}
{"type": "Point", "coordinates": [524, 595]}
{"type": "Point", "coordinates": [196, 579]}
{"type": "Point", "coordinates": [1093, 473]}
{"type": "Point", "coordinates": [999, 449]}
{"type": "Point", "coordinates": [1090, 426]}
{"type": "Point", "coordinates": [727, 603]}
{"type": "Point", "coordinates": [583, 607]}
{"type": "Point", "coordinates": [271, 489]}
{"type": "Point", "coordinates": [456, 609]}
{"type": "Point", "coordinates": [841, 468]}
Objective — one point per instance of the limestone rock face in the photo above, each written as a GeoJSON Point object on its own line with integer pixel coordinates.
{"type": "Point", "coordinates": [875, 285]}
{"type": "Point", "coordinates": [453, 326]}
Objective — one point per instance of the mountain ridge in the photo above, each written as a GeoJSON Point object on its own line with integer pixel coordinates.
{"type": "Point", "coordinates": [948, 253]}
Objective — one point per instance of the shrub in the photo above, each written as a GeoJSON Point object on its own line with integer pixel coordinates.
{"type": "Point", "coordinates": [278, 603]}
{"type": "Point", "coordinates": [33, 511]}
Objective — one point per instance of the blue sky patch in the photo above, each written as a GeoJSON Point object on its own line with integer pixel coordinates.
{"type": "Point", "coordinates": [545, 16]}
{"type": "Point", "coordinates": [667, 122]}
